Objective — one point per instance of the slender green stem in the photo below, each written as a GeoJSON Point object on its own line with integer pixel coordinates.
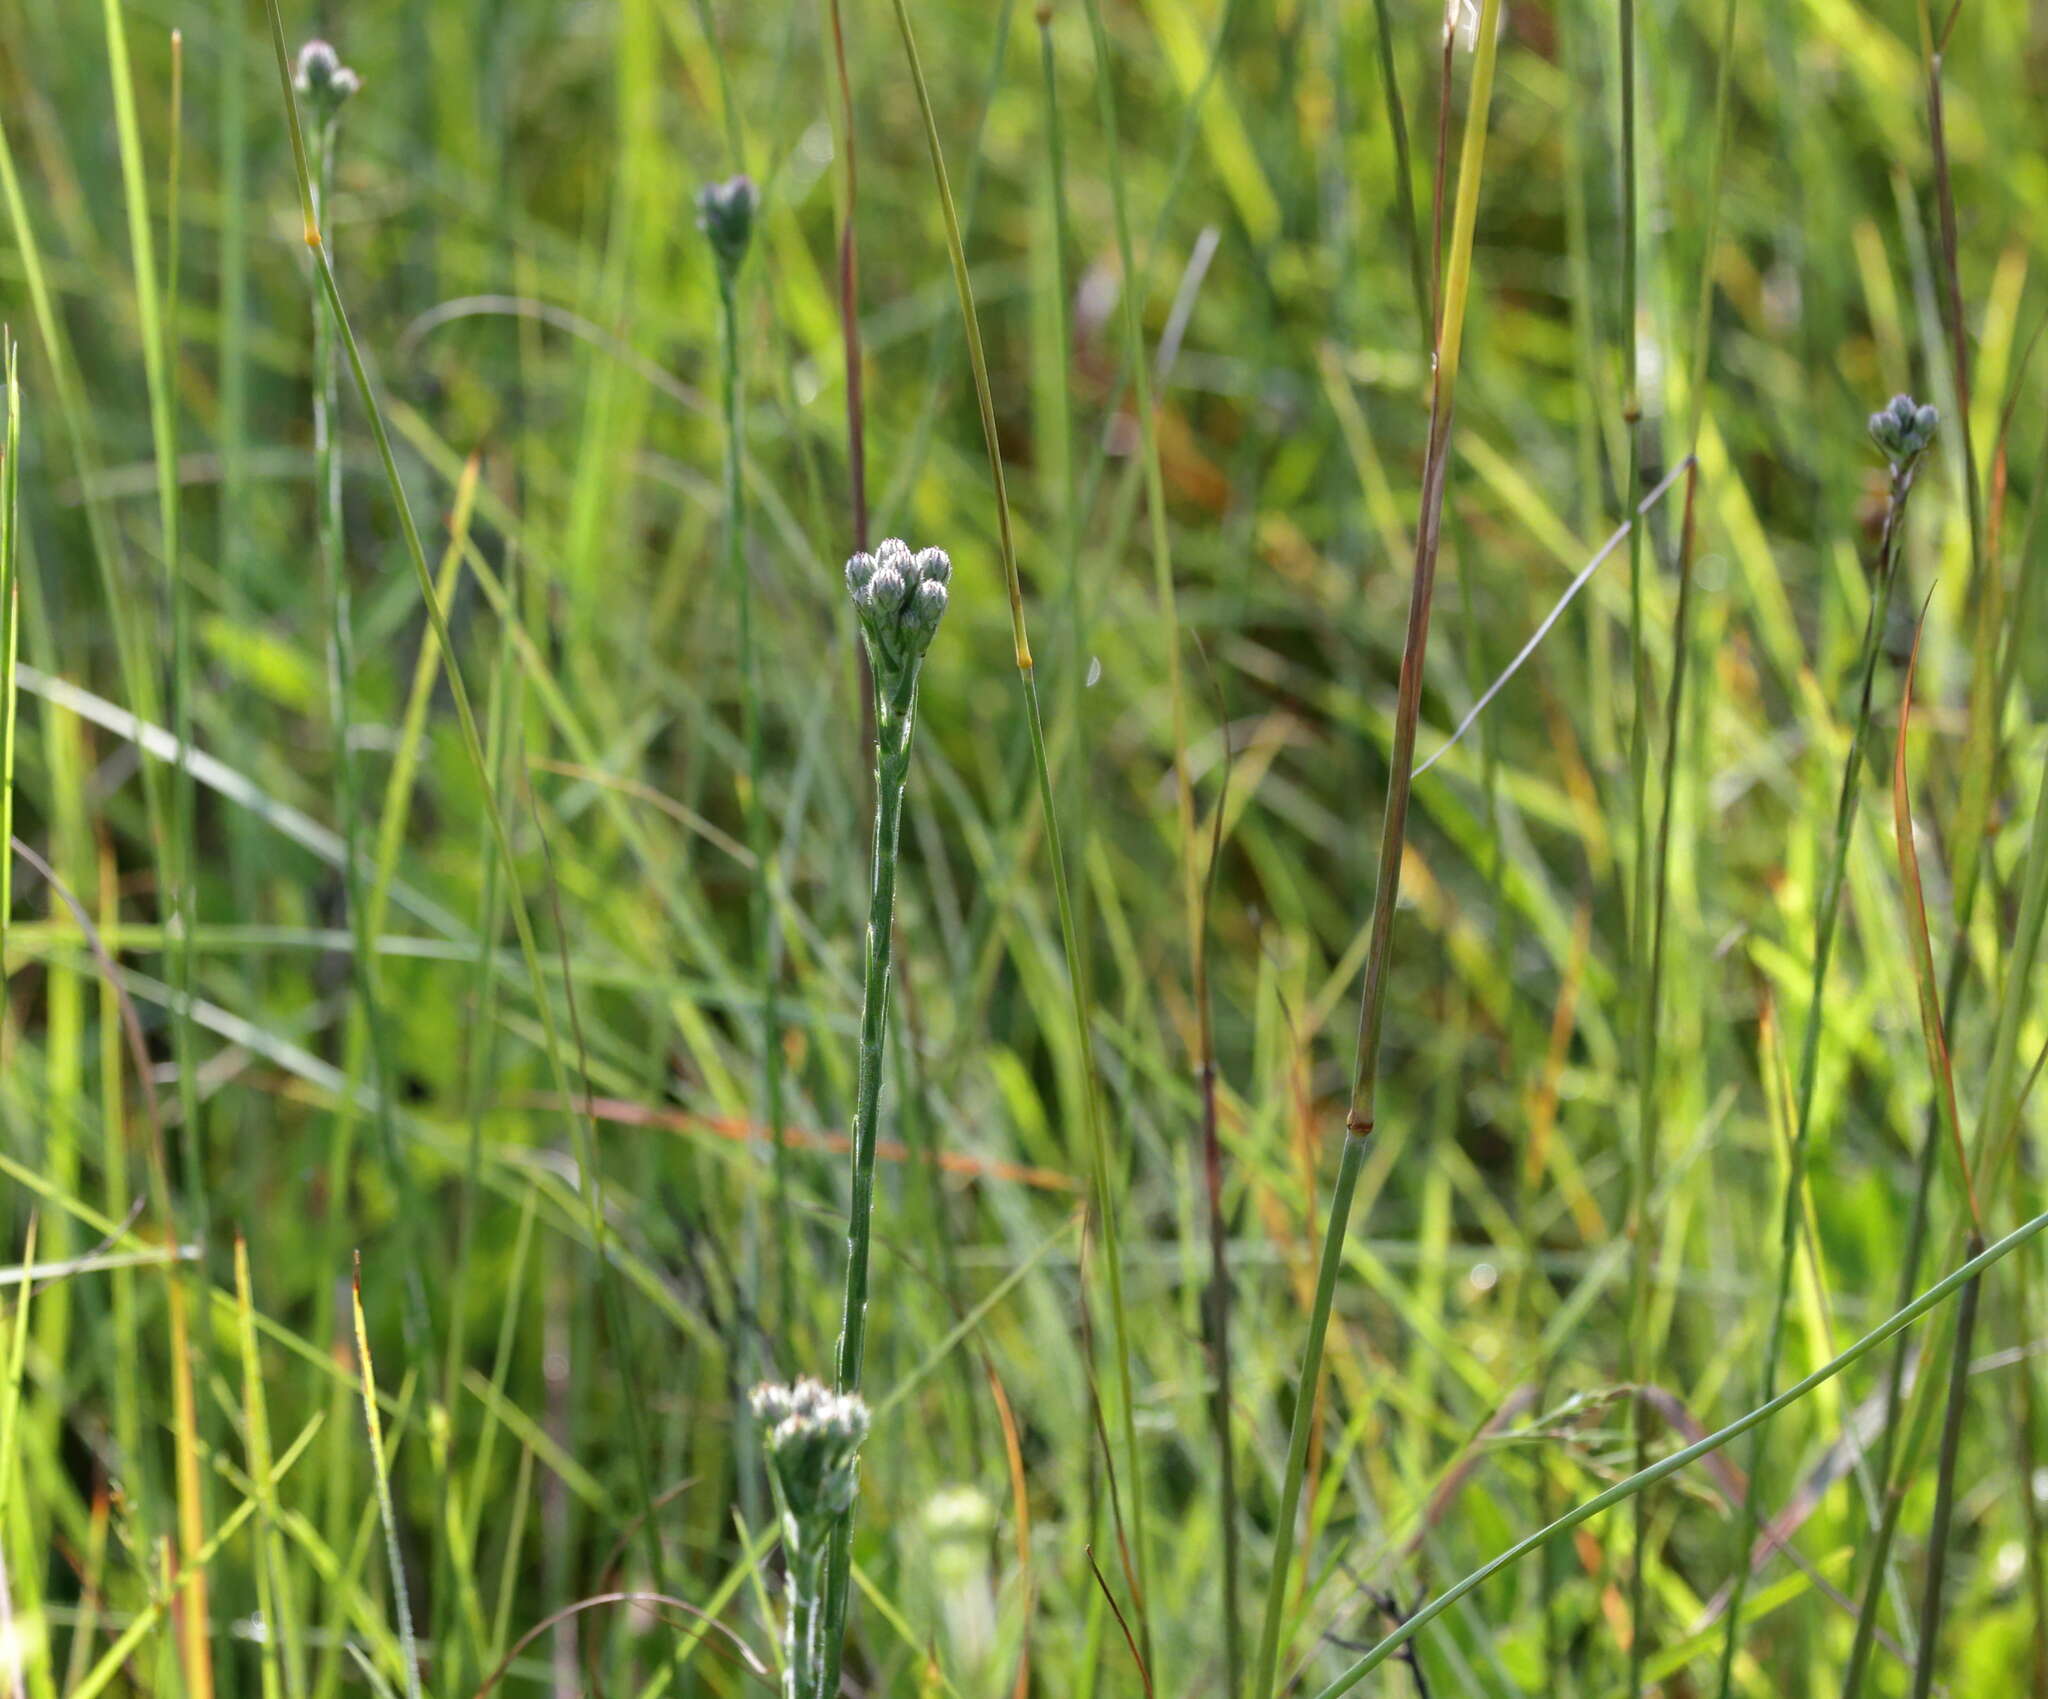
{"type": "Point", "coordinates": [1169, 616]}
{"type": "Point", "coordinates": [760, 839]}
{"type": "Point", "coordinates": [1826, 913]}
{"type": "Point", "coordinates": [341, 671]}
{"type": "Point", "coordinates": [1945, 1484]}
{"type": "Point", "coordinates": [183, 896]}
{"type": "Point", "coordinates": [894, 716]}
{"type": "Point", "coordinates": [387, 1514]}
{"type": "Point", "coordinates": [1643, 1170]}
{"type": "Point", "coordinates": [1360, 1119]}
{"type": "Point", "coordinates": [1653, 885]}
{"type": "Point", "coordinates": [1666, 1467]}
{"type": "Point", "coordinates": [10, 631]}
{"type": "Point", "coordinates": [1404, 177]}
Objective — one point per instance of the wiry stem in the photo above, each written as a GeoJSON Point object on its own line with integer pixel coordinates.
{"type": "Point", "coordinates": [1826, 914]}
{"type": "Point", "coordinates": [1359, 1120]}
{"type": "Point", "coordinates": [1945, 1483]}
{"type": "Point", "coordinates": [760, 839]}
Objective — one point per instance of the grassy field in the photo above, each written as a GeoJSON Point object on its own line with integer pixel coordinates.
{"type": "Point", "coordinates": [428, 1108]}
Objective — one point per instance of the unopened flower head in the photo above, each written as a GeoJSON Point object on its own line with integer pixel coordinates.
{"type": "Point", "coordinates": [725, 213]}
{"type": "Point", "coordinates": [1904, 428]}
{"type": "Point", "coordinates": [323, 79]}
{"type": "Point", "coordinates": [812, 1436]}
{"type": "Point", "coordinates": [1461, 23]}
{"type": "Point", "coordinates": [900, 597]}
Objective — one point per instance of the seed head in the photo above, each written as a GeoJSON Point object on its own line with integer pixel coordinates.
{"type": "Point", "coordinates": [813, 1435]}
{"type": "Point", "coordinates": [324, 80]}
{"type": "Point", "coordinates": [1903, 428]}
{"type": "Point", "coordinates": [725, 213]}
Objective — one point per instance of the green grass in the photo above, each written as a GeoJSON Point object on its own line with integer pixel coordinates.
{"type": "Point", "coordinates": [1675, 1057]}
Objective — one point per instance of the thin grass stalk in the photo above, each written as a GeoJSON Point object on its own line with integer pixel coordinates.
{"type": "Point", "coordinates": [500, 717]}
{"type": "Point", "coordinates": [1863, 1642]}
{"type": "Point", "coordinates": [1076, 800]}
{"type": "Point", "coordinates": [1936, 1041]}
{"type": "Point", "coordinates": [849, 286]}
{"type": "Point", "coordinates": [760, 840]}
{"type": "Point", "coordinates": [1222, 1397]}
{"type": "Point", "coordinates": [158, 328]}
{"type": "Point", "coordinates": [149, 310]}
{"type": "Point", "coordinates": [1827, 912]}
{"type": "Point", "coordinates": [1643, 1168]}
{"type": "Point", "coordinates": [331, 533]}
{"type": "Point", "coordinates": [1169, 613]}
{"type": "Point", "coordinates": [1656, 869]}
{"type": "Point", "coordinates": [1034, 720]}
{"type": "Point", "coordinates": [1929, 1654]}
{"type": "Point", "coordinates": [2025, 1429]}
{"type": "Point", "coordinates": [183, 905]}
{"type": "Point", "coordinates": [10, 626]}
{"type": "Point", "coordinates": [581, 1132]}
{"type": "Point", "coordinates": [1404, 176]}
{"type": "Point", "coordinates": [373, 1421]}
{"type": "Point", "coordinates": [283, 1666]}
{"type": "Point", "coordinates": [1665, 1467]}
{"type": "Point", "coordinates": [231, 43]}
{"type": "Point", "coordinates": [1360, 1117]}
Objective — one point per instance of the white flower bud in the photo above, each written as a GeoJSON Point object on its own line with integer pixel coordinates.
{"type": "Point", "coordinates": [926, 605]}
{"type": "Point", "coordinates": [887, 590]}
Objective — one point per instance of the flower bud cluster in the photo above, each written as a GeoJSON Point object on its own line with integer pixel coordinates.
{"type": "Point", "coordinates": [900, 597]}
{"type": "Point", "coordinates": [1903, 428]}
{"type": "Point", "coordinates": [812, 1437]}
{"type": "Point", "coordinates": [324, 80]}
{"type": "Point", "coordinates": [725, 213]}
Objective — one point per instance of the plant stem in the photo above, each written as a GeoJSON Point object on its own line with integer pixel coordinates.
{"type": "Point", "coordinates": [1825, 916]}
{"type": "Point", "coordinates": [1945, 1483]}
{"type": "Point", "coordinates": [1359, 1120]}
{"type": "Point", "coordinates": [1643, 1169]}
{"type": "Point", "coordinates": [341, 669]}
{"type": "Point", "coordinates": [894, 716]}
{"type": "Point", "coordinates": [1404, 177]}
{"type": "Point", "coordinates": [759, 838]}
{"type": "Point", "coordinates": [10, 629]}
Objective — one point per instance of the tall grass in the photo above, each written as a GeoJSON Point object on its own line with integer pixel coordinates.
{"type": "Point", "coordinates": [531, 948]}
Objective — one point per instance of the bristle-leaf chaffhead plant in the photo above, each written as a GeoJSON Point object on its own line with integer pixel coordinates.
{"type": "Point", "coordinates": [900, 597]}
{"type": "Point", "coordinates": [1902, 430]}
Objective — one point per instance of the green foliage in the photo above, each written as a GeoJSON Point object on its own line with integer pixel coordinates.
{"type": "Point", "coordinates": [510, 921]}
